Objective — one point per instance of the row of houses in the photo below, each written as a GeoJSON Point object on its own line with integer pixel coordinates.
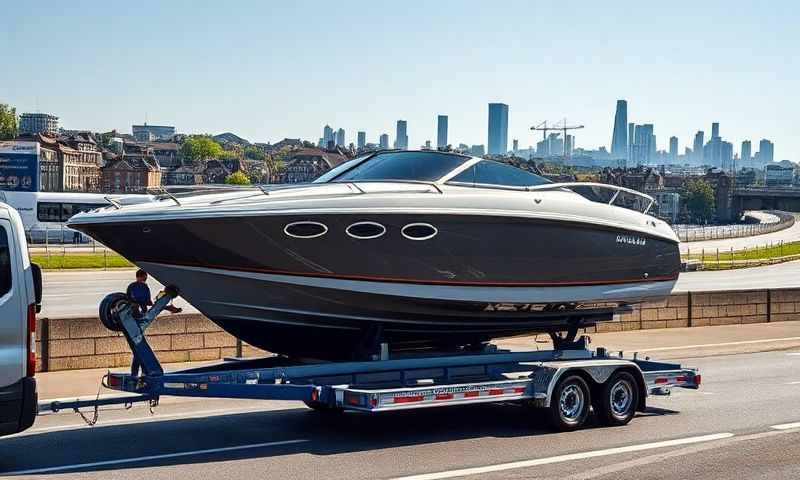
{"type": "Point", "coordinates": [77, 163]}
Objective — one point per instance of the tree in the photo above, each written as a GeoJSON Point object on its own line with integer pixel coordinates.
{"type": "Point", "coordinates": [254, 153]}
{"type": "Point", "coordinates": [200, 148]}
{"type": "Point", "coordinates": [8, 122]}
{"type": "Point", "coordinates": [237, 178]}
{"type": "Point", "coordinates": [700, 200]}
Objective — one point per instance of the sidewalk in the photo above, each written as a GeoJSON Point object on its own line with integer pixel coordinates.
{"type": "Point", "coordinates": [661, 344]}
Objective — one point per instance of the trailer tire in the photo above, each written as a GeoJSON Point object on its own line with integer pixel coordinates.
{"type": "Point", "coordinates": [618, 399]}
{"type": "Point", "coordinates": [109, 308]}
{"type": "Point", "coordinates": [569, 405]}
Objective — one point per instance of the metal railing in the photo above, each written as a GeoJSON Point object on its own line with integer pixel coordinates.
{"type": "Point", "coordinates": [694, 233]}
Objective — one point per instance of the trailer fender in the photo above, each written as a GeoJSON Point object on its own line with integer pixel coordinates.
{"type": "Point", "coordinates": [545, 378]}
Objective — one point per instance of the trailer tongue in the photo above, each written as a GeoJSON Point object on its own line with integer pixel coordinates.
{"type": "Point", "coordinates": [564, 383]}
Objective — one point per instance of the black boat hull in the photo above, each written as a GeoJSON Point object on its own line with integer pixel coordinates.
{"type": "Point", "coordinates": [479, 277]}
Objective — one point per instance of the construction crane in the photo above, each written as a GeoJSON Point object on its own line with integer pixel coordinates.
{"type": "Point", "coordinates": [564, 127]}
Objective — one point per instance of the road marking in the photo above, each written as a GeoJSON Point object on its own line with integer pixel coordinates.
{"type": "Point", "coordinates": [794, 354]}
{"type": "Point", "coordinates": [793, 383]}
{"type": "Point", "coordinates": [153, 418]}
{"type": "Point", "coordinates": [154, 457]}
{"type": "Point", "coordinates": [786, 426]}
{"type": "Point", "coordinates": [566, 458]}
{"type": "Point", "coordinates": [704, 345]}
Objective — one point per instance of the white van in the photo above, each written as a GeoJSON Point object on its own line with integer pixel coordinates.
{"type": "Point", "coordinates": [20, 300]}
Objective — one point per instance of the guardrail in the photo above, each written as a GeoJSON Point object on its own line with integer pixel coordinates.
{"type": "Point", "coordinates": [691, 233]}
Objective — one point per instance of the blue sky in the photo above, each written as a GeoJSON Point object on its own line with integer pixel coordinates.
{"type": "Point", "coordinates": [267, 70]}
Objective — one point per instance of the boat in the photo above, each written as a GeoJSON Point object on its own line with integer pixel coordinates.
{"type": "Point", "coordinates": [413, 249]}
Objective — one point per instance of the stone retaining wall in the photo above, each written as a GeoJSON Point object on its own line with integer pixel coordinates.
{"type": "Point", "coordinates": [64, 344]}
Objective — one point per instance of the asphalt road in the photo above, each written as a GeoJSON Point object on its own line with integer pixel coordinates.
{"type": "Point", "coordinates": [791, 234]}
{"type": "Point", "coordinates": [741, 424]}
{"type": "Point", "coordinates": [78, 293]}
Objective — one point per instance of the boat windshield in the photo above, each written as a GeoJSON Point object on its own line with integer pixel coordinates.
{"type": "Point", "coordinates": [406, 166]}
{"type": "Point", "coordinates": [496, 174]}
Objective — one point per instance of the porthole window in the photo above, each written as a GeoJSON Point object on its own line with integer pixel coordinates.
{"type": "Point", "coordinates": [419, 231]}
{"type": "Point", "coordinates": [366, 230]}
{"type": "Point", "coordinates": [305, 229]}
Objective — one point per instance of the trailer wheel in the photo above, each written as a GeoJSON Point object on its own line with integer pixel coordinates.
{"type": "Point", "coordinates": [109, 309]}
{"type": "Point", "coordinates": [619, 398]}
{"type": "Point", "coordinates": [569, 405]}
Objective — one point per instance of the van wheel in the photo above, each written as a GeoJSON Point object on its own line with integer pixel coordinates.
{"type": "Point", "coordinates": [569, 405]}
{"type": "Point", "coordinates": [109, 309]}
{"type": "Point", "coordinates": [619, 398]}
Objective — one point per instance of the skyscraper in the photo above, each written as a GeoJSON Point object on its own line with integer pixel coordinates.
{"type": "Point", "coordinates": [340, 137]}
{"type": "Point", "coordinates": [401, 138]}
{"type": "Point", "coordinates": [441, 131]}
{"type": "Point", "coordinates": [673, 149]}
{"type": "Point", "coordinates": [726, 156]}
{"type": "Point", "coordinates": [766, 151]}
{"type": "Point", "coordinates": [498, 128]}
{"type": "Point", "coordinates": [714, 129]}
{"type": "Point", "coordinates": [619, 137]}
{"type": "Point", "coordinates": [629, 157]}
{"type": "Point", "coordinates": [697, 147]}
{"type": "Point", "coordinates": [747, 149]}
{"type": "Point", "coordinates": [362, 139]}
{"type": "Point", "coordinates": [384, 141]}
{"type": "Point", "coordinates": [644, 144]}
{"type": "Point", "coordinates": [327, 135]}
{"type": "Point", "coordinates": [515, 145]}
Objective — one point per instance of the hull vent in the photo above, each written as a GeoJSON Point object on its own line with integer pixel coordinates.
{"type": "Point", "coordinates": [305, 229]}
{"type": "Point", "coordinates": [366, 230]}
{"type": "Point", "coordinates": [419, 231]}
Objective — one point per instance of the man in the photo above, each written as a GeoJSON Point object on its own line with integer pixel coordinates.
{"type": "Point", "coordinates": [139, 293]}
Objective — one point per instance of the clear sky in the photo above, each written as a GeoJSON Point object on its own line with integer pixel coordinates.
{"type": "Point", "coordinates": [269, 70]}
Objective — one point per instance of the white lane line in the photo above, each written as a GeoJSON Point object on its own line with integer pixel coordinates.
{"type": "Point", "coordinates": [566, 458]}
{"type": "Point", "coordinates": [153, 457]}
{"type": "Point", "coordinates": [154, 418]}
{"type": "Point", "coordinates": [786, 426]}
{"type": "Point", "coordinates": [793, 383]}
{"type": "Point", "coordinates": [704, 345]}
{"type": "Point", "coordinates": [794, 354]}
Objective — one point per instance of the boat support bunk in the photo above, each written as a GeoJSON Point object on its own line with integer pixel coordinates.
{"type": "Point", "coordinates": [564, 384]}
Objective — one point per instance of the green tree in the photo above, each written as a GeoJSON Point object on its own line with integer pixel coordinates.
{"type": "Point", "coordinates": [200, 148]}
{"type": "Point", "coordinates": [254, 153]}
{"type": "Point", "coordinates": [237, 178]}
{"type": "Point", "coordinates": [700, 200]}
{"type": "Point", "coordinates": [8, 122]}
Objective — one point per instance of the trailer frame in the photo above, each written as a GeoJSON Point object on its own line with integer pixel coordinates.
{"type": "Point", "coordinates": [401, 381]}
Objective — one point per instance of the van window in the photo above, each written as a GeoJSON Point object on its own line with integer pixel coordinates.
{"type": "Point", "coordinates": [61, 212]}
{"type": "Point", "coordinates": [5, 263]}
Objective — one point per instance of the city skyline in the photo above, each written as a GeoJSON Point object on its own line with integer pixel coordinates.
{"type": "Point", "coordinates": [235, 73]}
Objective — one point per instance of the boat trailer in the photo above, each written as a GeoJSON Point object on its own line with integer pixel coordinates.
{"type": "Point", "coordinates": [564, 383]}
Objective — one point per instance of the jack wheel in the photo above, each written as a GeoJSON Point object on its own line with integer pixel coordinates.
{"type": "Point", "coordinates": [619, 398]}
{"type": "Point", "coordinates": [569, 405]}
{"type": "Point", "coordinates": [322, 408]}
{"type": "Point", "coordinates": [110, 308]}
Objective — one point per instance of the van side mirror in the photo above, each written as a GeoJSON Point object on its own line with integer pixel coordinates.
{"type": "Point", "coordinates": [36, 272]}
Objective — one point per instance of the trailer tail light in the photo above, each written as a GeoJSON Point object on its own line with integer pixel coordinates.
{"type": "Point", "coordinates": [697, 380]}
{"type": "Point", "coordinates": [31, 350]}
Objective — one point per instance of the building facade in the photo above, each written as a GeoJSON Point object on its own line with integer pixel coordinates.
{"type": "Point", "coordinates": [362, 140]}
{"type": "Point", "coordinates": [33, 123]}
{"type": "Point", "coordinates": [384, 142]}
{"type": "Point", "coordinates": [498, 128]}
{"type": "Point", "coordinates": [149, 133]}
{"type": "Point", "coordinates": [131, 174]}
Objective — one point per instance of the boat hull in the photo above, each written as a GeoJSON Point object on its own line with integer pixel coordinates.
{"type": "Point", "coordinates": [478, 278]}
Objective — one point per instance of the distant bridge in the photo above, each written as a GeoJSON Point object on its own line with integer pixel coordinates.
{"type": "Point", "coordinates": [767, 198]}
